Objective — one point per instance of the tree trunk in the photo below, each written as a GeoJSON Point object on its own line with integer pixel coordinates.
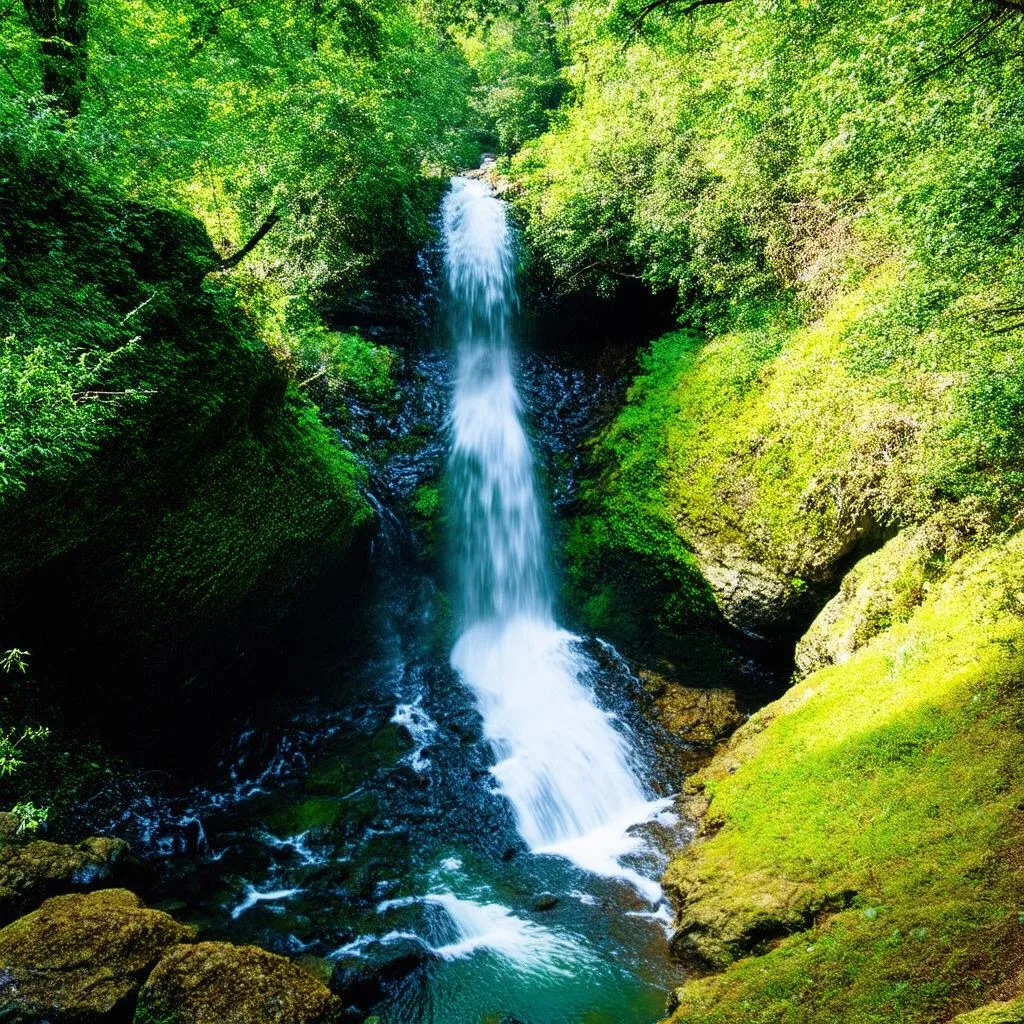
{"type": "Point", "coordinates": [63, 30]}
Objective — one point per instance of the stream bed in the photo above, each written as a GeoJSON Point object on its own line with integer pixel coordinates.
{"type": "Point", "coordinates": [477, 844]}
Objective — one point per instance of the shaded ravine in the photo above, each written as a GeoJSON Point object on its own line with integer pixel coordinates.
{"type": "Point", "coordinates": [385, 817]}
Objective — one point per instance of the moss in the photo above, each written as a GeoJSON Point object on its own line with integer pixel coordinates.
{"type": "Point", "coordinates": [82, 958]}
{"type": "Point", "coordinates": [160, 483]}
{"type": "Point", "coordinates": [218, 983]}
{"type": "Point", "coordinates": [891, 786]}
{"type": "Point", "coordinates": [627, 568]}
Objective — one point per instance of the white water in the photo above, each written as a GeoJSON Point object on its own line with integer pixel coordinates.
{"type": "Point", "coordinates": [562, 763]}
{"type": "Point", "coordinates": [473, 925]}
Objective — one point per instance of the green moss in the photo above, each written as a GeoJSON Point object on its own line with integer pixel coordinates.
{"type": "Point", "coordinates": [894, 781]}
{"type": "Point", "coordinates": [628, 569]}
{"type": "Point", "coordinates": [152, 456]}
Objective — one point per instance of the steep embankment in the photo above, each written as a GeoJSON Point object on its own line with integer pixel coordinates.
{"type": "Point", "coordinates": [159, 479]}
{"type": "Point", "coordinates": [873, 816]}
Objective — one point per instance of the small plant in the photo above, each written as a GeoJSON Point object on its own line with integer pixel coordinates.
{"type": "Point", "coordinates": [13, 741]}
{"type": "Point", "coordinates": [29, 816]}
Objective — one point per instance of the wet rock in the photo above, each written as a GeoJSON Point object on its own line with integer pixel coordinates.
{"type": "Point", "coordinates": [701, 717]}
{"type": "Point", "coordinates": [219, 983]}
{"type": "Point", "coordinates": [362, 983]}
{"type": "Point", "coordinates": [545, 901]}
{"type": "Point", "coordinates": [34, 871]}
{"type": "Point", "coordinates": [82, 957]}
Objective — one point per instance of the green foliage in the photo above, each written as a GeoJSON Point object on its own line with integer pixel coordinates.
{"type": "Point", "coordinates": [336, 114]}
{"type": "Point", "coordinates": [517, 64]}
{"type": "Point", "coordinates": [13, 743]}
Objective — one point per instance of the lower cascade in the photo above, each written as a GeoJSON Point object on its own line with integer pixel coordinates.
{"type": "Point", "coordinates": [562, 762]}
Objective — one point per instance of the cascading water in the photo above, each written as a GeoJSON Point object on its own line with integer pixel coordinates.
{"type": "Point", "coordinates": [562, 763]}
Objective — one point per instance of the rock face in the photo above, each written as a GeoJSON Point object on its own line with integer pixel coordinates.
{"type": "Point", "coordinates": [32, 872]}
{"type": "Point", "coordinates": [880, 589]}
{"type": "Point", "coordinates": [719, 920]}
{"type": "Point", "coordinates": [752, 598]}
{"type": "Point", "coordinates": [702, 717]}
{"type": "Point", "coordinates": [218, 983]}
{"type": "Point", "coordinates": [81, 958]}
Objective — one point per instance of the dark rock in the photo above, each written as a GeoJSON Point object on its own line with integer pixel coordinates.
{"type": "Point", "coordinates": [363, 982]}
{"type": "Point", "coordinates": [81, 958]}
{"type": "Point", "coordinates": [35, 871]}
{"type": "Point", "coordinates": [545, 901]}
{"type": "Point", "coordinates": [219, 983]}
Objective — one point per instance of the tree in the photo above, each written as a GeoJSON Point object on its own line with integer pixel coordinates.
{"type": "Point", "coordinates": [63, 30]}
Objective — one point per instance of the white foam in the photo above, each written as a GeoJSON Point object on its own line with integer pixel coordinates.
{"type": "Point", "coordinates": [420, 726]}
{"type": "Point", "coordinates": [253, 897]}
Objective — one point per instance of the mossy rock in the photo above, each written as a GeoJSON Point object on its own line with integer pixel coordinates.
{"type": "Point", "coordinates": [994, 1013]}
{"type": "Point", "coordinates": [862, 833]}
{"type": "Point", "coordinates": [219, 983]}
{"type": "Point", "coordinates": [82, 957]}
{"type": "Point", "coordinates": [702, 717]}
{"type": "Point", "coordinates": [34, 871]}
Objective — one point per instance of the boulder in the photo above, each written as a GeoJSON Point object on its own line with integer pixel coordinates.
{"type": "Point", "coordinates": [701, 717]}
{"type": "Point", "coordinates": [219, 983]}
{"type": "Point", "coordinates": [32, 872]}
{"type": "Point", "coordinates": [365, 981]}
{"type": "Point", "coordinates": [82, 957]}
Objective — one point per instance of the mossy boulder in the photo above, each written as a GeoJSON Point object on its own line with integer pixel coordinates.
{"type": "Point", "coordinates": [165, 490]}
{"type": "Point", "coordinates": [82, 957]}
{"type": "Point", "coordinates": [31, 872]}
{"type": "Point", "coordinates": [219, 983]}
{"type": "Point", "coordinates": [863, 832]}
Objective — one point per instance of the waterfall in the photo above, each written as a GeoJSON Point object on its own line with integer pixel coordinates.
{"type": "Point", "coordinates": [561, 761]}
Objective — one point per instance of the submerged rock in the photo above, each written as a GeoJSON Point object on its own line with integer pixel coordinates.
{"type": "Point", "coordinates": [32, 872]}
{"type": "Point", "coordinates": [82, 957]}
{"type": "Point", "coordinates": [219, 983]}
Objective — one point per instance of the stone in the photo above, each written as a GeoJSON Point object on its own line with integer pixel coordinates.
{"type": "Point", "coordinates": [82, 957]}
{"type": "Point", "coordinates": [220, 983]}
{"type": "Point", "coordinates": [34, 871]}
{"type": "Point", "coordinates": [363, 982]}
{"type": "Point", "coordinates": [700, 716]}
{"type": "Point", "coordinates": [545, 901]}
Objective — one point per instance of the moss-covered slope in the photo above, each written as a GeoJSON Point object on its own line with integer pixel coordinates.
{"type": "Point", "coordinates": [863, 833]}
{"type": "Point", "coordinates": [159, 479]}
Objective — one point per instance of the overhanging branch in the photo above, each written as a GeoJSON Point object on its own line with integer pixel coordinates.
{"type": "Point", "coordinates": [261, 232]}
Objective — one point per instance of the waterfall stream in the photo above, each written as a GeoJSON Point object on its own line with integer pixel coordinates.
{"type": "Point", "coordinates": [562, 762]}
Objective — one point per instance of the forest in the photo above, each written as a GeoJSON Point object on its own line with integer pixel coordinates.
{"type": "Point", "coordinates": [511, 511]}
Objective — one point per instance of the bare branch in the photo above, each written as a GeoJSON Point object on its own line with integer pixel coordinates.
{"type": "Point", "coordinates": [261, 232]}
{"type": "Point", "coordinates": [655, 5]}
